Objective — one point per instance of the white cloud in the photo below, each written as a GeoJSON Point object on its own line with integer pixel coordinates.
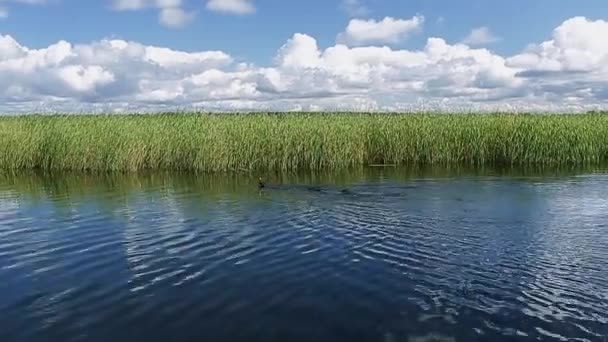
{"type": "Point", "coordinates": [578, 45]}
{"type": "Point", "coordinates": [231, 6]}
{"type": "Point", "coordinates": [128, 5]}
{"type": "Point", "coordinates": [171, 14]}
{"type": "Point", "coordinates": [573, 64]}
{"type": "Point", "coordinates": [480, 36]}
{"type": "Point", "coordinates": [168, 3]}
{"type": "Point", "coordinates": [354, 8]}
{"type": "Point", "coordinates": [175, 17]}
{"type": "Point", "coordinates": [300, 51]}
{"type": "Point", "coordinates": [84, 79]}
{"type": "Point", "coordinates": [386, 31]}
{"type": "Point", "coordinates": [568, 72]}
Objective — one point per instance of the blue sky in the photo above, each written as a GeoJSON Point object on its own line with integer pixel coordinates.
{"type": "Point", "coordinates": [257, 36]}
{"type": "Point", "coordinates": [255, 33]}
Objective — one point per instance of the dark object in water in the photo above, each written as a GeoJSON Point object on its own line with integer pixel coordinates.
{"type": "Point", "coordinates": [466, 289]}
{"type": "Point", "coordinates": [313, 188]}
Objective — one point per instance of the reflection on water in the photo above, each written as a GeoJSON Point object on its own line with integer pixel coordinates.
{"type": "Point", "coordinates": [367, 255]}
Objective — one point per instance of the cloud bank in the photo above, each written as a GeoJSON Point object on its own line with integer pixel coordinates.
{"type": "Point", "coordinates": [569, 71]}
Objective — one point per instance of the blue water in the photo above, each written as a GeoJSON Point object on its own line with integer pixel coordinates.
{"type": "Point", "coordinates": [375, 255]}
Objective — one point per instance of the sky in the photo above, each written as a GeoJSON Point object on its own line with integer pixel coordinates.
{"type": "Point", "coordinates": [242, 55]}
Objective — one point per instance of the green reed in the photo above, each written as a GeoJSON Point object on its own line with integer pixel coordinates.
{"type": "Point", "coordinates": [303, 141]}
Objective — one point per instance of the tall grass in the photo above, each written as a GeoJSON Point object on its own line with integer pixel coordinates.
{"type": "Point", "coordinates": [205, 142]}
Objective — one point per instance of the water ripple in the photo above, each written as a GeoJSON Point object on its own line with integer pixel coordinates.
{"type": "Point", "coordinates": [455, 260]}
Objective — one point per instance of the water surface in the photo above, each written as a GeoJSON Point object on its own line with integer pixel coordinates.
{"type": "Point", "coordinates": [369, 255]}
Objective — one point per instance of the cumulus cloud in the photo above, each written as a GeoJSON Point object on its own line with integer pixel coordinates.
{"type": "Point", "coordinates": [480, 36]}
{"type": "Point", "coordinates": [231, 6]}
{"type": "Point", "coordinates": [578, 45]}
{"type": "Point", "coordinates": [386, 31]}
{"type": "Point", "coordinates": [108, 70]}
{"type": "Point", "coordinates": [573, 64]}
{"type": "Point", "coordinates": [567, 72]}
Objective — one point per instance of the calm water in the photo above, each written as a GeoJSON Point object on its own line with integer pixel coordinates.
{"type": "Point", "coordinates": [397, 256]}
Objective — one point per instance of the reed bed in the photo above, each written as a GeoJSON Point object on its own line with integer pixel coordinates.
{"type": "Point", "coordinates": [303, 141]}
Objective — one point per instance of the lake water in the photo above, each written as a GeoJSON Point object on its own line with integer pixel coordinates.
{"type": "Point", "coordinates": [370, 255]}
